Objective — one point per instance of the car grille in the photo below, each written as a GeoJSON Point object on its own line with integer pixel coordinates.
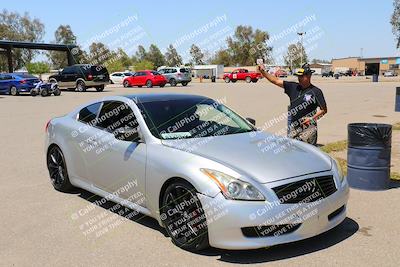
{"type": "Point", "coordinates": [308, 190]}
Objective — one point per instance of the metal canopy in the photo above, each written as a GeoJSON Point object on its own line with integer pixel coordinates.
{"type": "Point", "coordinates": [8, 46]}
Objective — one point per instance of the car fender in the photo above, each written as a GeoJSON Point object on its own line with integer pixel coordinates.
{"type": "Point", "coordinates": [164, 163]}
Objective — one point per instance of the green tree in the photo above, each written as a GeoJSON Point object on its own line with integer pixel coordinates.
{"type": "Point", "coordinates": [15, 27]}
{"type": "Point", "coordinates": [246, 45]}
{"type": "Point", "coordinates": [141, 53]}
{"type": "Point", "coordinates": [296, 55]}
{"type": "Point", "coordinates": [222, 57]}
{"type": "Point", "coordinates": [99, 54]}
{"type": "Point", "coordinates": [197, 55]}
{"type": "Point", "coordinates": [63, 35]}
{"type": "Point", "coordinates": [395, 21]}
{"type": "Point", "coordinates": [155, 56]}
{"type": "Point", "coordinates": [38, 67]}
{"type": "Point", "coordinates": [144, 65]}
{"type": "Point", "coordinates": [172, 57]}
{"type": "Point", "coordinates": [125, 60]}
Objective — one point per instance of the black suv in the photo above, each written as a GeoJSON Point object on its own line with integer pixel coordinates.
{"type": "Point", "coordinates": [81, 76]}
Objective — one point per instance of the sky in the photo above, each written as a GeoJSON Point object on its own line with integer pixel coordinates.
{"type": "Point", "coordinates": [333, 29]}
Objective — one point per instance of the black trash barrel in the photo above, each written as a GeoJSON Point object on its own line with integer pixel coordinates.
{"type": "Point", "coordinates": [336, 76]}
{"type": "Point", "coordinates": [213, 79]}
{"type": "Point", "coordinates": [397, 105]}
{"type": "Point", "coordinates": [375, 78]}
{"type": "Point", "coordinates": [368, 155]}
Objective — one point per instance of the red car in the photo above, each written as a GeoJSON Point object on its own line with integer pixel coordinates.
{"type": "Point", "coordinates": [148, 78]}
{"type": "Point", "coordinates": [281, 73]}
{"type": "Point", "coordinates": [242, 74]}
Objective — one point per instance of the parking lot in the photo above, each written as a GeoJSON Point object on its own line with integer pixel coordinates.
{"type": "Point", "coordinates": [38, 226]}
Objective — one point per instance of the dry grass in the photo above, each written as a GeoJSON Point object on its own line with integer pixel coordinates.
{"type": "Point", "coordinates": [335, 146]}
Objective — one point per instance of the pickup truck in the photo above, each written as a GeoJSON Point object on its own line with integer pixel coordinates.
{"type": "Point", "coordinates": [242, 74]}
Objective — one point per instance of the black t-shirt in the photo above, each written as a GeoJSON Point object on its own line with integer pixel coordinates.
{"type": "Point", "coordinates": [303, 102]}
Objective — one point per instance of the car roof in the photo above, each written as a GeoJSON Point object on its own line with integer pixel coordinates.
{"type": "Point", "coordinates": [147, 98]}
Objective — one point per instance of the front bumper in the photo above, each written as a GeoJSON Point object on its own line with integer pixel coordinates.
{"type": "Point", "coordinates": [226, 218]}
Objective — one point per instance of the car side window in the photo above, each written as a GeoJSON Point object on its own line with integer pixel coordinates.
{"type": "Point", "coordinates": [88, 114]}
{"type": "Point", "coordinates": [173, 71]}
{"type": "Point", "coordinates": [116, 114]}
{"type": "Point", "coordinates": [161, 71]}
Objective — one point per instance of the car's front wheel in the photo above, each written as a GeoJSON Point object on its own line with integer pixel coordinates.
{"type": "Point", "coordinates": [184, 83]}
{"type": "Point", "coordinates": [58, 170]}
{"type": "Point", "coordinates": [227, 80]}
{"type": "Point", "coordinates": [149, 84]}
{"type": "Point", "coordinates": [183, 217]}
{"type": "Point", "coordinates": [14, 91]}
{"type": "Point", "coordinates": [172, 82]}
{"type": "Point", "coordinates": [248, 79]}
{"type": "Point", "coordinates": [80, 86]}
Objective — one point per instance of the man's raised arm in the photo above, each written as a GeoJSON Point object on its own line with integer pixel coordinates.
{"type": "Point", "coordinates": [272, 78]}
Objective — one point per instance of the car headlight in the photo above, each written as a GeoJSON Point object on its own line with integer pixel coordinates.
{"type": "Point", "coordinates": [338, 169]}
{"type": "Point", "coordinates": [233, 188]}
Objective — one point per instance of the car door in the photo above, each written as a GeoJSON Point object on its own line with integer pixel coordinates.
{"type": "Point", "coordinates": [121, 163]}
{"type": "Point", "coordinates": [235, 75]}
{"type": "Point", "coordinates": [141, 78]}
{"type": "Point", "coordinates": [2, 84]}
{"type": "Point", "coordinates": [68, 77]}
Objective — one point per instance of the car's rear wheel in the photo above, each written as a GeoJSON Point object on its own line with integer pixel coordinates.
{"type": "Point", "coordinates": [184, 83]}
{"type": "Point", "coordinates": [149, 84]}
{"type": "Point", "coordinates": [14, 91]}
{"type": "Point", "coordinates": [248, 79]}
{"type": "Point", "coordinates": [80, 86]}
{"type": "Point", "coordinates": [255, 80]}
{"type": "Point", "coordinates": [233, 81]}
{"type": "Point", "coordinates": [100, 88]}
{"type": "Point", "coordinates": [162, 85]}
{"type": "Point", "coordinates": [183, 217]}
{"type": "Point", "coordinates": [172, 82]}
{"type": "Point", "coordinates": [126, 84]}
{"type": "Point", "coordinates": [227, 80]}
{"type": "Point", "coordinates": [58, 170]}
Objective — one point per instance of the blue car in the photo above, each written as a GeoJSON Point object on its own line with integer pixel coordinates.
{"type": "Point", "coordinates": [16, 83]}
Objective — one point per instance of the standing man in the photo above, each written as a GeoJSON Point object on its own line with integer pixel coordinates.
{"type": "Point", "coordinates": [307, 104]}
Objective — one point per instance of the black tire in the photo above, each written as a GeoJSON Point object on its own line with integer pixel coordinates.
{"type": "Point", "coordinates": [111, 82]}
{"type": "Point", "coordinates": [100, 88]}
{"type": "Point", "coordinates": [57, 92]}
{"type": "Point", "coordinates": [192, 233]}
{"type": "Point", "coordinates": [162, 85]}
{"type": "Point", "coordinates": [58, 170]}
{"type": "Point", "coordinates": [14, 91]}
{"type": "Point", "coordinates": [248, 79]}
{"type": "Point", "coordinates": [255, 80]}
{"type": "Point", "coordinates": [44, 92]}
{"type": "Point", "coordinates": [172, 82]}
{"type": "Point", "coordinates": [184, 83]}
{"type": "Point", "coordinates": [233, 81]}
{"type": "Point", "coordinates": [140, 86]}
{"type": "Point", "coordinates": [80, 86]}
{"type": "Point", "coordinates": [126, 84]}
{"type": "Point", "coordinates": [227, 80]}
{"type": "Point", "coordinates": [149, 84]}
{"type": "Point", "coordinates": [33, 93]}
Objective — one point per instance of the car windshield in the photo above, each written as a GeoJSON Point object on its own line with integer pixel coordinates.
{"type": "Point", "coordinates": [191, 118]}
{"type": "Point", "coordinates": [155, 73]}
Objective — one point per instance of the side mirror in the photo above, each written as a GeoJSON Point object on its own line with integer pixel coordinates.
{"type": "Point", "coordinates": [128, 134]}
{"type": "Point", "coordinates": [252, 121]}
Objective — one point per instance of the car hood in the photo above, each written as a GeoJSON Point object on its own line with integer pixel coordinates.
{"type": "Point", "coordinates": [259, 155]}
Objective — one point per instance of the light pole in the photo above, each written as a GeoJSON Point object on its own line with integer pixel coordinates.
{"type": "Point", "coordinates": [301, 34]}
